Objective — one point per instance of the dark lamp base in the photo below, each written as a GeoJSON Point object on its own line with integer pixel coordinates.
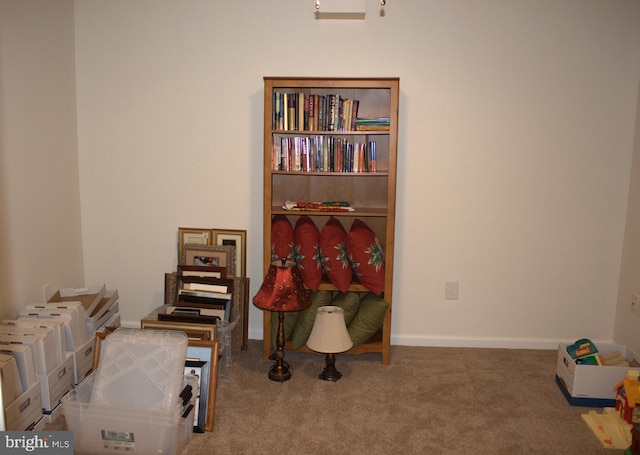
{"type": "Point", "coordinates": [330, 373]}
{"type": "Point", "coordinates": [279, 373]}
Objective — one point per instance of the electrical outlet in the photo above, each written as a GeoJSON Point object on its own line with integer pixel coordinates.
{"type": "Point", "coordinates": [635, 304]}
{"type": "Point", "coordinates": [451, 289]}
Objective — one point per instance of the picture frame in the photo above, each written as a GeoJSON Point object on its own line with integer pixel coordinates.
{"type": "Point", "coordinates": [199, 369]}
{"type": "Point", "coordinates": [194, 236]}
{"type": "Point", "coordinates": [238, 239]}
{"type": "Point", "coordinates": [216, 255]}
{"type": "Point", "coordinates": [205, 354]}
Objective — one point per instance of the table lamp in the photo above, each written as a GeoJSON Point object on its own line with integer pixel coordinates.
{"type": "Point", "coordinates": [282, 290]}
{"type": "Point", "coordinates": [330, 336]}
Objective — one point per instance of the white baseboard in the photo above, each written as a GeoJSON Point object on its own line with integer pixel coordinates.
{"type": "Point", "coordinates": [455, 342]}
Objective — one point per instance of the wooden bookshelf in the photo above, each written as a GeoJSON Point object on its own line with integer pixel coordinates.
{"type": "Point", "coordinates": [372, 194]}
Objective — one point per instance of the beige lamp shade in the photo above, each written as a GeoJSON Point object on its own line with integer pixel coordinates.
{"type": "Point", "coordinates": [329, 333]}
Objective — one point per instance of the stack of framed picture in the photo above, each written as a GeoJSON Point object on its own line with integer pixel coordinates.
{"type": "Point", "coordinates": [214, 247]}
{"type": "Point", "coordinates": [209, 284]}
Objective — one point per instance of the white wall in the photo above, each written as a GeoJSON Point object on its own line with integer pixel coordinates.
{"type": "Point", "coordinates": [517, 127]}
{"type": "Point", "coordinates": [40, 235]}
{"type": "Point", "coordinates": [627, 325]}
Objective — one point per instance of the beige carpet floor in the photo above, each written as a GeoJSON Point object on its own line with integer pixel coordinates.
{"type": "Point", "coordinates": [427, 401]}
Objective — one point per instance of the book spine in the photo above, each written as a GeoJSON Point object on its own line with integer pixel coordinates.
{"type": "Point", "coordinates": [293, 118]}
{"type": "Point", "coordinates": [372, 154]}
{"type": "Point", "coordinates": [312, 112]}
{"type": "Point", "coordinates": [354, 114]}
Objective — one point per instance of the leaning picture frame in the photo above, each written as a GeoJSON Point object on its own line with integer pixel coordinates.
{"type": "Point", "coordinates": [198, 236]}
{"type": "Point", "coordinates": [237, 239]}
{"type": "Point", "coordinates": [211, 255]}
{"type": "Point", "coordinates": [203, 356]}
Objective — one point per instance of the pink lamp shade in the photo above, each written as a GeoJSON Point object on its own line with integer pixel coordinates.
{"type": "Point", "coordinates": [282, 289]}
{"type": "Point", "coordinates": [329, 334]}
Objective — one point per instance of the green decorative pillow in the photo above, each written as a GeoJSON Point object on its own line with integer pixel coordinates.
{"type": "Point", "coordinates": [307, 317]}
{"type": "Point", "coordinates": [349, 302]}
{"type": "Point", "coordinates": [290, 318]}
{"type": "Point", "coordinates": [368, 319]}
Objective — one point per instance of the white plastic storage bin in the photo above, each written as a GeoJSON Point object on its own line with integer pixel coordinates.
{"type": "Point", "coordinates": [99, 428]}
{"type": "Point", "coordinates": [227, 344]}
{"type": "Point", "coordinates": [140, 369]}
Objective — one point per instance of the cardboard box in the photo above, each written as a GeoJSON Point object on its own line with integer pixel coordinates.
{"type": "Point", "coordinates": [75, 325]}
{"type": "Point", "coordinates": [83, 361]}
{"type": "Point", "coordinates": [25, 361]}
{"type": "Point", "coordinates": [24, 412]}
{"type": "Point", "coordinates": [54, 385]}
{"type": "Point", "coordinates": [44, 345]}
{"type": "Point", "coordinates": [54, 324]}
{"type": "Point", "coordinates": [11, 383]}
{"type": "Point", "coordinates": [105, 305]}
{"type": "Point", "coordinates": [89, 297]}
{"type": "Point", "coordinates": [52, 334]}
{"type": "Point", "coordinates": [591, 385]}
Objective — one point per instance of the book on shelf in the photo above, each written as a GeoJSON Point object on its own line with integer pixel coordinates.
{"type": "Point", "coordinates": [372, 124]}
{"type": "Point", "coordinates": [302, 111]}
{"type": "Point", "coordinates": [337, 206]}
{"type": "Point", "coordinates": [321, 154]}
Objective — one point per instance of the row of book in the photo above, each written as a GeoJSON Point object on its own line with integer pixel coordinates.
{"type": "Point", "coordinates": [313, 112]}
{"type": "Point", "coordinates": [322, 154]}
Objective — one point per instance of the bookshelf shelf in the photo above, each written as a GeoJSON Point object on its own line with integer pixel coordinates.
{"type": "Point", "coordinates": [297, 167]}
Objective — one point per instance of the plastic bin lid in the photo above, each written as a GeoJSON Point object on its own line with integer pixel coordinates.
{"type": "Point", "coordinates": [140, 369]}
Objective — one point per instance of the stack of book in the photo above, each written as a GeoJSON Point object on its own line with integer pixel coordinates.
{"type": "Point", "coordinates": [313, 112]}
{"type": "Point", "coordinates": [372, 124]}
{"type": "Point", "coordinates": [200, 298]}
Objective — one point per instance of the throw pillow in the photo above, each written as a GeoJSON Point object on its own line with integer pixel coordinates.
{"type": "Point", "coordinates": [306, 251]}
{"type": "Point", "coordinates": [368, 319]}
{"type": "Point", "coordinates": [307, 317]}
{"type": "Point", "coordinates": [349, 302]}
{"type": "Point", "coordinates": [335, 260]}
{"type": "Point", "coordinates": [281, 238]}
{"type": "Point", "coordinates": [367, 256]}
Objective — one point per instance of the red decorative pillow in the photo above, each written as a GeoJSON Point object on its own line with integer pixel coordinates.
{"type": "Point", "coordinates": [367, 256]}
{"type": "Point", "coordinates": [281, 238]}
{"type": "Point", "coordinates": [306, 251]}
{"type": "Point", "coordinates": [335, 260]}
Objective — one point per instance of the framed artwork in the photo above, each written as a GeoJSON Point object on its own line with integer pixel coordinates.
{"type": "Point", "coordinates": [210, 255]}
{"type": "Point", "coordinates": [237, 239]}
{"type": "Point", "coordinates": [202, 359]}
{"type": "Point", "coordinates": [197, 236]}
